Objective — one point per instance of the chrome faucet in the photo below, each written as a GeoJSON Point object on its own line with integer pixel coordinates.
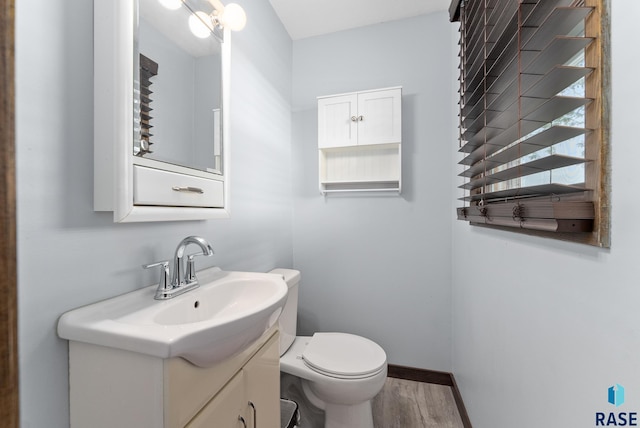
{"type": "Point", "coordinates": [181, 281]}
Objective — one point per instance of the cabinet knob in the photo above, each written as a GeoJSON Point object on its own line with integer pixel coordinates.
{"type": "Point", "coordinates": [354, 119]}
{"type": "Point", "coordinates": [360, 118]}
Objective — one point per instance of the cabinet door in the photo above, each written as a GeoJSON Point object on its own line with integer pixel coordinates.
{"type": "Point", "coordinates": [225, 409]}
{"type": "Point", "coordinates": [380, 117]}
{"type": "Point", "coordinates": [337, 121]}
{"type": "Point", "coordinates": [262, 383]}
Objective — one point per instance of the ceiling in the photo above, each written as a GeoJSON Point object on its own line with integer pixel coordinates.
{"type": "Point", "coordinates": [307, 18]}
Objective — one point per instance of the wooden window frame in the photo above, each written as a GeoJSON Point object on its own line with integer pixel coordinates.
{"type": "Point", "coordinates": [597, 116]}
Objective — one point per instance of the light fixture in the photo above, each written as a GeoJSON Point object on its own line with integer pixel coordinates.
{"type": "Point", "coordinates": [200, 24]}
{"type": "Point", "coordinates": [171, 4]}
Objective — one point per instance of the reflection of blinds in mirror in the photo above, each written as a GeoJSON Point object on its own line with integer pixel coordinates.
{"type": "Point", "coordinates": [148, 69]}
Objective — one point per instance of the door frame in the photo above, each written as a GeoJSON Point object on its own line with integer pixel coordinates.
{"type": "Point", "coordinates": [9, 375]}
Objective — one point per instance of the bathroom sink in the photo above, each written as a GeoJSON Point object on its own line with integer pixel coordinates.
{"type": "Point", "coordinates": [222, 317]}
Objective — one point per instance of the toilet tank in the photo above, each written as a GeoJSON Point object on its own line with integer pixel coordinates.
{"type": "Point", "coordinates": [288, 318]}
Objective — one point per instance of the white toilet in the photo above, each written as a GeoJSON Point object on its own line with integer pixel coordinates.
{"type": "Point", "coordinates": [340, 372]}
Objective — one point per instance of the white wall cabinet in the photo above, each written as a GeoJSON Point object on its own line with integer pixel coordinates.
{"type": "Point", "coordinates": [115, 388]}
{"type": "Point", "coordinates": [360, 118]}
{"type": "Point", "coordinates": [359, 141]}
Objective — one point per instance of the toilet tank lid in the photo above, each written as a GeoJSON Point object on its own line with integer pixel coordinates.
{"type": "Point", "coordinates": [291, 276]}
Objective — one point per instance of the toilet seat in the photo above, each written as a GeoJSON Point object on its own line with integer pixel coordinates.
{"type": "Point", "coordinates": [344, 356]}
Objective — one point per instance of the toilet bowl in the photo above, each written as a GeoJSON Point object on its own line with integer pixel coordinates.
{"type": "Point", "coordinates": [340, 373]}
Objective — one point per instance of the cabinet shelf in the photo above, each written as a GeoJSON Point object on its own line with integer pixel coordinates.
{"type": "Point", "coordinates": [359, 186]}
{"type": "Point", "coordinates": [360, 168]}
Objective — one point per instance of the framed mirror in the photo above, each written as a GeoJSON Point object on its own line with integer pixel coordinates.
{"type": "Point", "coordinates": [177, 97]}
{"type": "Point", "coordinates": [161, 70]}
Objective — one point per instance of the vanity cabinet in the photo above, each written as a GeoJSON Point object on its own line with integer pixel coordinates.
{"type": "Point", "coordinates": [227, 409]}
{"type": "Point", "coordinates": [359, 141]}
{"type": "Point", "coordinates": [115, 388]}
{"type": "Point", "coordinates": [252, 395]}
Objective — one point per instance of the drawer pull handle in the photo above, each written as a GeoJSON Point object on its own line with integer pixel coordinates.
{"type": "Point", "coordinates": [244, 423]}
{"type": "Point", "coordinates": [188, 189]}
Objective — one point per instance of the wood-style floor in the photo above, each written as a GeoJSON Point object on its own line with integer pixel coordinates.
{"type": "Point", "coordinates": [400, 404]}
{"type": "Point", "coordinates": [408, 404]}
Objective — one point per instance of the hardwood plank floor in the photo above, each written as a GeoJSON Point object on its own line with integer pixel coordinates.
{"type": "Point", "coordinates": [400, 404]}
{"type": "Point", "coordinates": [409, 404]}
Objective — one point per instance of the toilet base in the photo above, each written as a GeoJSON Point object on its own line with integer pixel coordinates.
{"type": "Point", "coordinates": [340, 415]}
{"type": "Point", "coordinates": [357, 416]}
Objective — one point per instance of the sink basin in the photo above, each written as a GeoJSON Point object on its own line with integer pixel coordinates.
{"type": "Point", "coordinates": [222, 317]}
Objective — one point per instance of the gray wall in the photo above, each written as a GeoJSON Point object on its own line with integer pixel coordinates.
{"type": "Point", "coordinates": [540, 342]}
{"type": "Point", "coordinates": [379, 266]}
{"type": "Point", "coordinates": [70, 256]}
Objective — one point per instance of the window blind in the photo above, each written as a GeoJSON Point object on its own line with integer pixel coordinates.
{"type": "Point", "coordinates": [523, 109]}
{"type": "Point", "coordinates": [147, 70]}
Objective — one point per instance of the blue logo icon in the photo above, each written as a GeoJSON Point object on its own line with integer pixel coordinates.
{"type": "Point", "coordinates": [616, 395]}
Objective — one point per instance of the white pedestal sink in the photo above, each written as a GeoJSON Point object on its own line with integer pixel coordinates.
{"type": "Point", "coordinates": [220, 318]}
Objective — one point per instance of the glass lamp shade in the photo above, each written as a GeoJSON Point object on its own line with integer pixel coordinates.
{"type": "Point", "coordinates": [200, 24]}
{"type": "Point", "coordinates": [234, 17]}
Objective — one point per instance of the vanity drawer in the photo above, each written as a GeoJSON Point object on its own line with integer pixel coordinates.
{"type": "Point", "coordinates": [163, 188]}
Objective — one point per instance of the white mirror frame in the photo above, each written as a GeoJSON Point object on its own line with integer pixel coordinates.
{"type": "Point", "coordinates": [113, 123]}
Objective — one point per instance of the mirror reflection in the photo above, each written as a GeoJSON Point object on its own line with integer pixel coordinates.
{"type": "Point", "coordinates": [178, 87]}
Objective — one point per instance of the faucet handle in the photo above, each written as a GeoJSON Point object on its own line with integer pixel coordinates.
{"type": "Point", "coordinates": [190, 276]}
{"type": "Point", "coordinates": [163, 263]}
{"type": "Point", "coordinates": [163, 284]}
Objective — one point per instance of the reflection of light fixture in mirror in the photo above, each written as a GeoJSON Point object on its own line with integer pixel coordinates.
{"type": "Point", "coordinates": [171, 4]}
{"type": "Point", "coordinates": [233, 17]}
{"type": "Point", "coordinates": [200, 24]}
